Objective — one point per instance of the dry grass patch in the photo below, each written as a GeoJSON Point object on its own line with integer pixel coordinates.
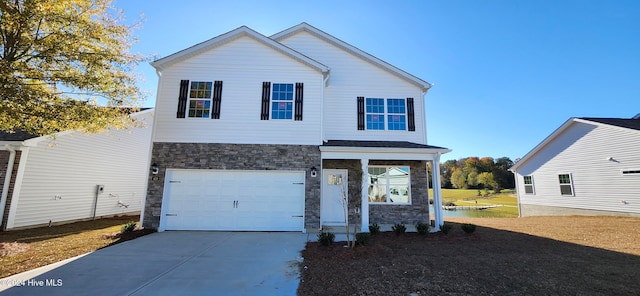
{"type": "Point", "coordinates": [23, 250]}
{"type": "Point", "coordinates": [504, 256]}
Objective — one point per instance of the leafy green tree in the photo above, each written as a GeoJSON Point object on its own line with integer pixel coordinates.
{"type": "Point", "coordinates": [472, 179]}
{"type": "Point", "coordinates": [61, 63]}
{"type": "Point", "coordinates": [459, 179]}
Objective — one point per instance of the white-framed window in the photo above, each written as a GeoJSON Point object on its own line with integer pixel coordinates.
{"type": "Point", "coordinates": [389, 185]}
{"type": "Point", "coordinates": [566, 184]}
{"type": "Point", "coordinates": [200, 99]}
{"type": "Point", "coordinates": [386, 114]}
{"type": "Point", "coordinates": [528, 185]}
{"type": "Point", "coordinates": [282, 101]}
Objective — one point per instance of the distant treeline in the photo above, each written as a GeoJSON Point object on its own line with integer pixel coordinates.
{"type": "Point", "coordinates": [477, 173]}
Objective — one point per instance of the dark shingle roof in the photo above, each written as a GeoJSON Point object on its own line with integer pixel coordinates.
{"type": "Point", "coordinates": [621, 122]}
{"type": "Point", "coordinates": [15, 136]}
{"type": "Point", "coordinates": [379, 144]}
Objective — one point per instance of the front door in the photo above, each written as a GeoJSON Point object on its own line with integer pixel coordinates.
{"type": "Point", "coordinates": [334, 188]}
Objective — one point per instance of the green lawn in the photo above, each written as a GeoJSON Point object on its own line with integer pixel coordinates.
{"type": "Point", "coordinates": [469, 197]}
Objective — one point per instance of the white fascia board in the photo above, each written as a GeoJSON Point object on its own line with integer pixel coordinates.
{"type": "Point", "coordinates": [544, 143]}
{"type": "Point", "coordinates": [425, 86]}
{"type": "Point", "coordinates": [162, 63]}
{"type": "Point", "coordinates": [331, 152]}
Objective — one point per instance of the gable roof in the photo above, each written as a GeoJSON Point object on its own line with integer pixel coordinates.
{"type": "Point", "coordinates": [353, 50]}
{"type": "Point", "coordinates": [230, 36]}
{"type": "Point", "coordinates": [627, 123]}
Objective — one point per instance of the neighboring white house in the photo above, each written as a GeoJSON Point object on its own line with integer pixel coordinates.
{"type": "Point", "coordinates": [588, 166]}
{"type": "Point", "coordinates": [267, 133]}
{"type": "Point", "coordinates": [73, 176]}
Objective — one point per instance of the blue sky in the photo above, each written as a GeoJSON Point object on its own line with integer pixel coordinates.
{"type": "Point", "coordinates": [506, 73]}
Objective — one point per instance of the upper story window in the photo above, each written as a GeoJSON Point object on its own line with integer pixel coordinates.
{"type": "Point", "coordinates": [566, 184]}
{"type": "Point", "coordinates": [389, 185]}
{"type": "Point", "coordinates": [375, 114]}
{"type": "Point", "coordinates": [528, 185]}
{"type": "Point", "coordinates": [282, 101]}
{"type": "Point", "coordinates": [199, 99]}
{"type": "Point", "coordinates": [390, 114]}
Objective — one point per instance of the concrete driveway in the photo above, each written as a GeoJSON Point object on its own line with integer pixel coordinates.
{"type": "Point", "coordinates": [175, 263]}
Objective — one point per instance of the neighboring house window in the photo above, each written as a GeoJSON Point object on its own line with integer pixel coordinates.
{"type": "Point", "coordinates": [282, 101]}
{"type": "Point", "coordinates": [389, 185]}
{"type": "Point", "coordinates": [528, 185]}
{"type": "Point", "coordinates": [199, 99]}
{"type": "Point", "coordinates": [566, 184]}
{"type": "Point", "coordinates": [386, 114]}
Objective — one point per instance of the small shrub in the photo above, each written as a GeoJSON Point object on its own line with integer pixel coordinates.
{"type": "Point", "coordinates": [422, 228]}
{"type": "Point", "coordinates": [326, 238]}
{"type": "Point", "coordinates": [374, 229]}
{"type": "Point", "coordinates": [450, 204]}
{"type": "Point", "coordinates": [129, 227]}
{"type": "Point", "coordinates": [399, 229]}
{"type": "Point", "coordinates": [445, 228]}
{"type": "Point", "coordinates": [362, 238]}
{"type": "Point", "coordinates": [468, 228]}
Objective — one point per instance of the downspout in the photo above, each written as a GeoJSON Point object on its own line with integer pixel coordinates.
{"type": "Point", "coordinates": [7, 180]}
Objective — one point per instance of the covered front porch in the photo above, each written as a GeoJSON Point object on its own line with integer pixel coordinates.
{"type": "Point", "coordinates": [385, 182]}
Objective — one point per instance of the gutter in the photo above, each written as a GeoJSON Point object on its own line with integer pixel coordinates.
{"type": "Point", "coordinates": [7, 179]}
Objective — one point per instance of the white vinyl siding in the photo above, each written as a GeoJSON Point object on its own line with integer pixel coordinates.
{"type": "Point", "coordinates": [585, 151]}
{"type": "Point", "coordinates": [353, 77]}
{"type": "Point", "coordinates": [243, 65]}
{"type": "Point", "coordinates": [71, 165]}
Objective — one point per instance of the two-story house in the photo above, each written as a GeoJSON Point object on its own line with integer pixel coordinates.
{"type": "Point", "coordinates": [269, 133]}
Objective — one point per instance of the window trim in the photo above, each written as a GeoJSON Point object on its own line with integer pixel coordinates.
{"type": "Point", "coordinates": [274, 100]}
{"type": "Point", "coordinates": [209, 99]}
{"type": "Point", "coordinates": [532, 185]}
{"type": "Point", "coordinates": [573, 192]}
{"type": "Point", "coordinates": [388, 187]}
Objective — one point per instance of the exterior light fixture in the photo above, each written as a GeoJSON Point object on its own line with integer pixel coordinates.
{"type": "Point", "coordinates": [154, 169]}
{"type": "Point", "coordinates": [314, 172]}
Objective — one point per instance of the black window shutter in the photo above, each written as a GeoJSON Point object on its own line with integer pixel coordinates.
{"type": "Point", "coordinates": [182, 98]}
{"type": "Point", "coordinates": [298, 101]}
{"type": "Point", "coordinates": [411, 115]}
{"type": "Point", "coordinates": [217, 100]}
{"type": "Point", "coordinates": [360, 113]}
{"type": "Point", "coordinates": [266, 96]}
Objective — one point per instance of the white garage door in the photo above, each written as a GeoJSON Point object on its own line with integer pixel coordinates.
{"type": "Point", "coordinates": [233, 200]}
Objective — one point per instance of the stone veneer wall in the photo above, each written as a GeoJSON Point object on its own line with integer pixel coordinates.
{"type": "Point", "coordinates": [233, 157]}
{"type": "Point", "coordinates": [418, 211]}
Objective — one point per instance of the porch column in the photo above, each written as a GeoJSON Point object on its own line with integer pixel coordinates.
{"type": "Point", "coordinates": [437, 197]}
{"type": "Point", "coordinates": [364, 209]}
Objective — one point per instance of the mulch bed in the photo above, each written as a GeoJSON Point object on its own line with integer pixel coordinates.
{"type": "Point", "coordinates": [494, 260]}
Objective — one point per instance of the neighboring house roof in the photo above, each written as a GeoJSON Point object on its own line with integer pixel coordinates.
{"type": "Point", "coordinates": [16, 136]}
{"type": "Point", "coordinates": [19, 135]}
{"type": "Point", "coordinates": [232, 35]}
{"type": "Point", "coordinates": [379, 144]}
{"type": "Point", "coordinates": [353, 50]}
{"type": "Point", "coordinates": [627, 123]}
